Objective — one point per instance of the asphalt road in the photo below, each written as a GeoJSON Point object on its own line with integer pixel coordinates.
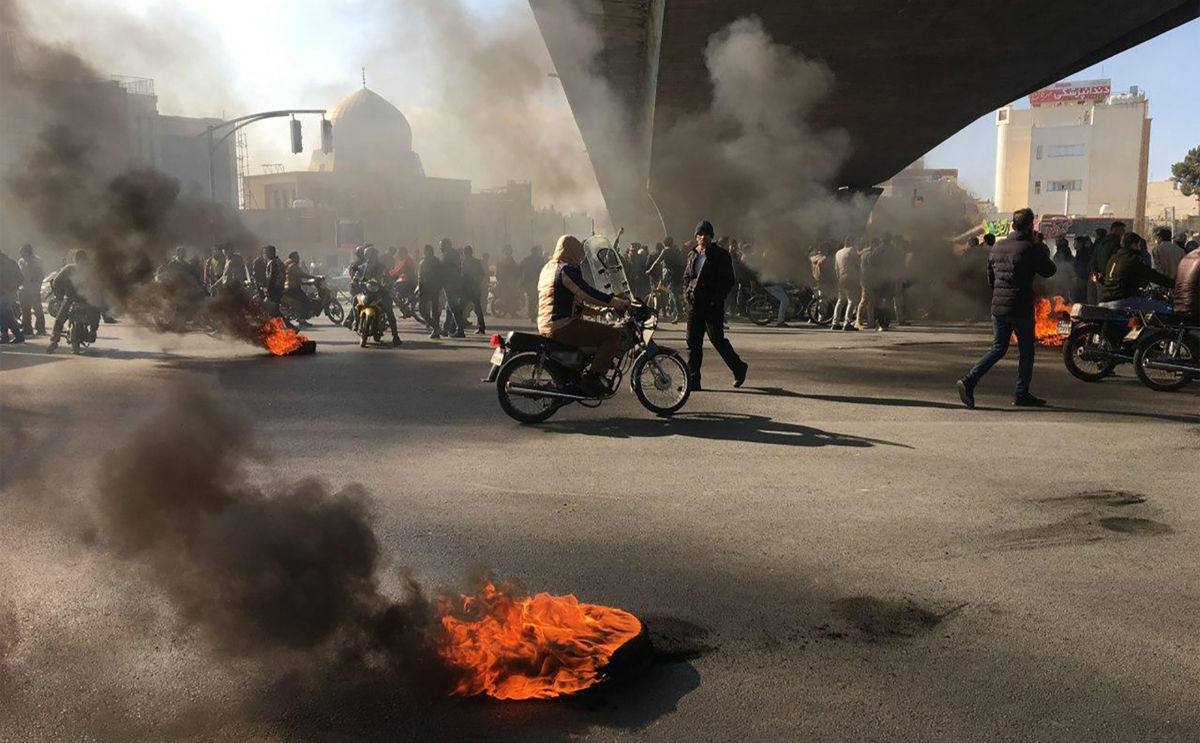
{"type": "Point", "coordinates": [838, 551]}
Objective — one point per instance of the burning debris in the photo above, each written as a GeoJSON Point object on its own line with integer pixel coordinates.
{"type": "Point", "coordinates": [509, 645]}
{"type": "Point", "coordinates": [284, 341]}
{"type": "Point", "coordinates": [1047, 314]}
{"type": "Point", "coordinates": [295, 568]}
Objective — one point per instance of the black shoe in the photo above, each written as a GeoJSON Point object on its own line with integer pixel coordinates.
{"type": "Point", "coordinates": [1028, 401]}
{"type": "Point", "coordinates": [434, 335]}
{"type": "Point", "coordinates": [396, 341]}
{"type": "Point", "coordinates": [851, 328]}
{"type": "Point", "coordinates": [591, 385]}
{"type": "Point", "coordinates": [966, 393]}
{"type": "Point", "coordinates": [740, 378]}
{"type": "Point", "coordinates": [480, 331]}
{"type": "Point", "coordinates": [16, 339]}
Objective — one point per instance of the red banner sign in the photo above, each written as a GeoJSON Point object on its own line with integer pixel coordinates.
{"type": "Point", "coordinates": [1072, 92]}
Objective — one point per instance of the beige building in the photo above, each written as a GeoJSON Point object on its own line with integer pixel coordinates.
{"type": "Point", "coordinates": [1165, 203]}
{"type": "Point", "coordinates": [1077, 150]}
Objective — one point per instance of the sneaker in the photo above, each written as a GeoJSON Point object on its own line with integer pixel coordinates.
{"type": "Point", "coordinates": [835, 327]}
{"type": "Point", "coordinates": [434, 335]}
{"type": "Point", "coordinates": [53, 345]}
{"type": "Point", "coordinates": [459, 334]}
{"type": "Point", "coordinates": [1028, 401]}
{"type": "Point", "coordinates": [480, 331]}
{"type": "Point", "coordinates": [966, 393]}
{"type": "Point", "coordinates": [740, 379]}
{"type": "Point", "coordinates": [851, 328]}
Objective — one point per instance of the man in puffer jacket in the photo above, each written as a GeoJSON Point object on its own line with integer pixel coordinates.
{"type": "Point", "coordinates": [1012, 265]}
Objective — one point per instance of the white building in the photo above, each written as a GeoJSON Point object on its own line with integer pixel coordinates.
{"type": "Point", "coordinates": [1077, 150]}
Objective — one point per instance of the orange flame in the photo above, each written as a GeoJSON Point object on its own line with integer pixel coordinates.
{"type": "Point", "coordinates": [279, 339]}
{"type": "Point", "coordinates": [1046, 314]}
{"type": "Point", "coordinates": [514, 646]}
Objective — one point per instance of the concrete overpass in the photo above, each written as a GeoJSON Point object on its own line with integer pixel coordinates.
{"type": "Point", "coordinates": [910, 73]}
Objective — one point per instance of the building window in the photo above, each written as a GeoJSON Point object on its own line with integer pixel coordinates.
{"type": "Point", "coordinates": [1066, 150]}
{"type": "Point", "coordinates": [1002, 115]}
{"type": "Point", "coordinates": [1037, 187]}
{"type": "Point", "coordinates": [1076, 185]}
{"type": "Point", "coordinates": [1039, 152]}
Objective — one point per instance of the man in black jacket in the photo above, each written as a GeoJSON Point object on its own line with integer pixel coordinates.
{"type": "Point", "coordinates": [1012, 265]}
{"type": "Point", "coordinates": [707, 279]}
{"type": "Point", "coordinates": [1126, 275]}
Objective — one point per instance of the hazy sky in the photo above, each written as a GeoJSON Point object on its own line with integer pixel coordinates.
{"type": "Point", "coordinates": [268, 54]}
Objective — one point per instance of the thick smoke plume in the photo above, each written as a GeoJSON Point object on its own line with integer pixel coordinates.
{"type": "Point", "coordinates": [80, 190]}
{"type": "Point", "coordinates": [293, 568]}
{"type": "Point", "coordinates": [752, 160]}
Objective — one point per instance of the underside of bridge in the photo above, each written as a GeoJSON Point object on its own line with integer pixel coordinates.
{"type": "Point", "coordinates": [909, 73]}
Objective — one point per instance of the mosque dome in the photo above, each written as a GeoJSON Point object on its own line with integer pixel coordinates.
{"type": "Point", "coordinates": [369, 135]}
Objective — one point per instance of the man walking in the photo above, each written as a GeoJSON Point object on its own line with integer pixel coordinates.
{"type": "Point", "coordinates": [32, 274]}
{"type": "Point", "coordinates": [1012, 265]}
{"type": "Point", "coordinates": [473, 273]}
{"type": "Point", "coordinates": [707, 278]}
{"type": "Point", "coordinates": [848, 263]}
{"type": "Point", "coordinates": [429, 284]}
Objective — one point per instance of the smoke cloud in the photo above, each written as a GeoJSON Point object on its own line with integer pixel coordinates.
{"type": "Point", "coordinates": [497, 114]}
{"type": "Point", "coordinates": [752, 162]}
{"type": "Point", "coordinates": [78, 187]}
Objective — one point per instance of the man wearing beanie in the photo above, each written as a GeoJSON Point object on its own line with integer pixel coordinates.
{"type": "Point", "coordinates": [707, 279]}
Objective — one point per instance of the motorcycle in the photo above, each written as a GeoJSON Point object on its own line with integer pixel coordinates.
{"type": "Point", "coordinates": [763, 308]}
{"type": "Point", "coordinates": [370, 306]}
{"type": "Point", "coordinates": [321, 300]}
{"type": "Point", "coordinates": [1168, 355]}
{"type": "Point", "coordinates": [1098, 339]}
{"type": "Point", "coordinates": [820, 309]}
{"type": "Point", "coordinates": [663, 300]}
{"type": "Point", "coordinates": [408, 300]}
{"type": "Point", "coordinates": [535, 376]}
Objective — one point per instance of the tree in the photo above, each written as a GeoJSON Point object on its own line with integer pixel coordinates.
{"type": "Point", "coordinates": [1186, 173]}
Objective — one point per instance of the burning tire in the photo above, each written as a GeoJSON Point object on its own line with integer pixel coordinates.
{"type": "Point", "coordinates": [525, 371]}
{"type": "Point", "coordinates": [661, 382]}
{"type": "Point", "coordinates": [1166, 347]}
{"type": "Point", "coordinates": [1078, 360]}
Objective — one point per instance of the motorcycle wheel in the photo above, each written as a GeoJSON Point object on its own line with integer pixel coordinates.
{"type": "Point", "coordinates": [522, 370]}
{"type": "Point", "coordinates": [366, 330]}
{"type": "Point", "coordinates": [1159, 346]}
{"type": "Point", "coordinates": [661, 382]}
{"type": "Point", "coordinates": [760, 310]}
{"type": "Point", "coordinates": [76, 337]}
{"type": "Point", "coordinates": [334, 312]}
{"type": "Point", "coordinates": [1087, 369]}
{"type": "Point", "coordinates": [820, 311]}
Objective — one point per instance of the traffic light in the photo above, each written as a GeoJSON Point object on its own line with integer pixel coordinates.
{"type": "Point", "coordinates": [326, 136]}
{"type": "Point", "coordinates": [297, 138]}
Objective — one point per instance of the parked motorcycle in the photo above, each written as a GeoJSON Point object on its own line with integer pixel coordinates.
{"type": "Point", "coordinates": [1099, 339]}
{"type": "Point", "coordinates": [536, 376]}
{"type": "Point", "coordinates": [763, 308]}
{"type": "Point", "coordinates": [1168, 354]}
{"type": "Point", "coordinates": [321, 300]}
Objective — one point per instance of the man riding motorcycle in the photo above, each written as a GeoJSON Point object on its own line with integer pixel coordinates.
{"type": "Point", "coordinates": [1125, 276]}
{"type": "Point", "coordinates": [354, 271]}
{"type": "Point", "coordinates": [293, 285]}
{"type": "Point", "coordinates": [563, 297]}
{"type": "Point", "coordinates": [374, 269]}
{"type": "Point", "coordinates": [72, 285]}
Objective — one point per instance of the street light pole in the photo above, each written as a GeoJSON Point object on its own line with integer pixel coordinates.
{"type": "Point", "coordinates": [238, 123]}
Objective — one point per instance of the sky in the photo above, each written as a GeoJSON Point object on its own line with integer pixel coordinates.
{"type": "Point", "coordinates": [268, 54]}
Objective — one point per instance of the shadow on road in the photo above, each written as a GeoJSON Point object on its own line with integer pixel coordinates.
{"type": "Point", "coordinates": [900, 402]}
{"type": "Point", "coordinates": [757, 429]}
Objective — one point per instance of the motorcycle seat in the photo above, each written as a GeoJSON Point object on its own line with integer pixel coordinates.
{"type": "Point", "coordinates": [1096, 312]}
{"type": "Point", "coordinates": [520, 341]}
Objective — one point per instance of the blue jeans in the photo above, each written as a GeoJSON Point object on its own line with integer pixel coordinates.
{"type": "Point", "coordinates": [1139, 304]}
{"type": "Point", "coordinates": [1002, 330]}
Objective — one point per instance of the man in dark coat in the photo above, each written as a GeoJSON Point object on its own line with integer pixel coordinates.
{"type": "Point", "coordinates": [707, 279]}
{"type": "Point", "coordinates": [1012, 265]}
{"type": "Point", "coordinates": [429, 284]}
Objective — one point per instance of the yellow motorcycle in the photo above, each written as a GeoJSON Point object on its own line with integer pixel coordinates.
{"type": "Point", "coordinates": [371, 309]}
